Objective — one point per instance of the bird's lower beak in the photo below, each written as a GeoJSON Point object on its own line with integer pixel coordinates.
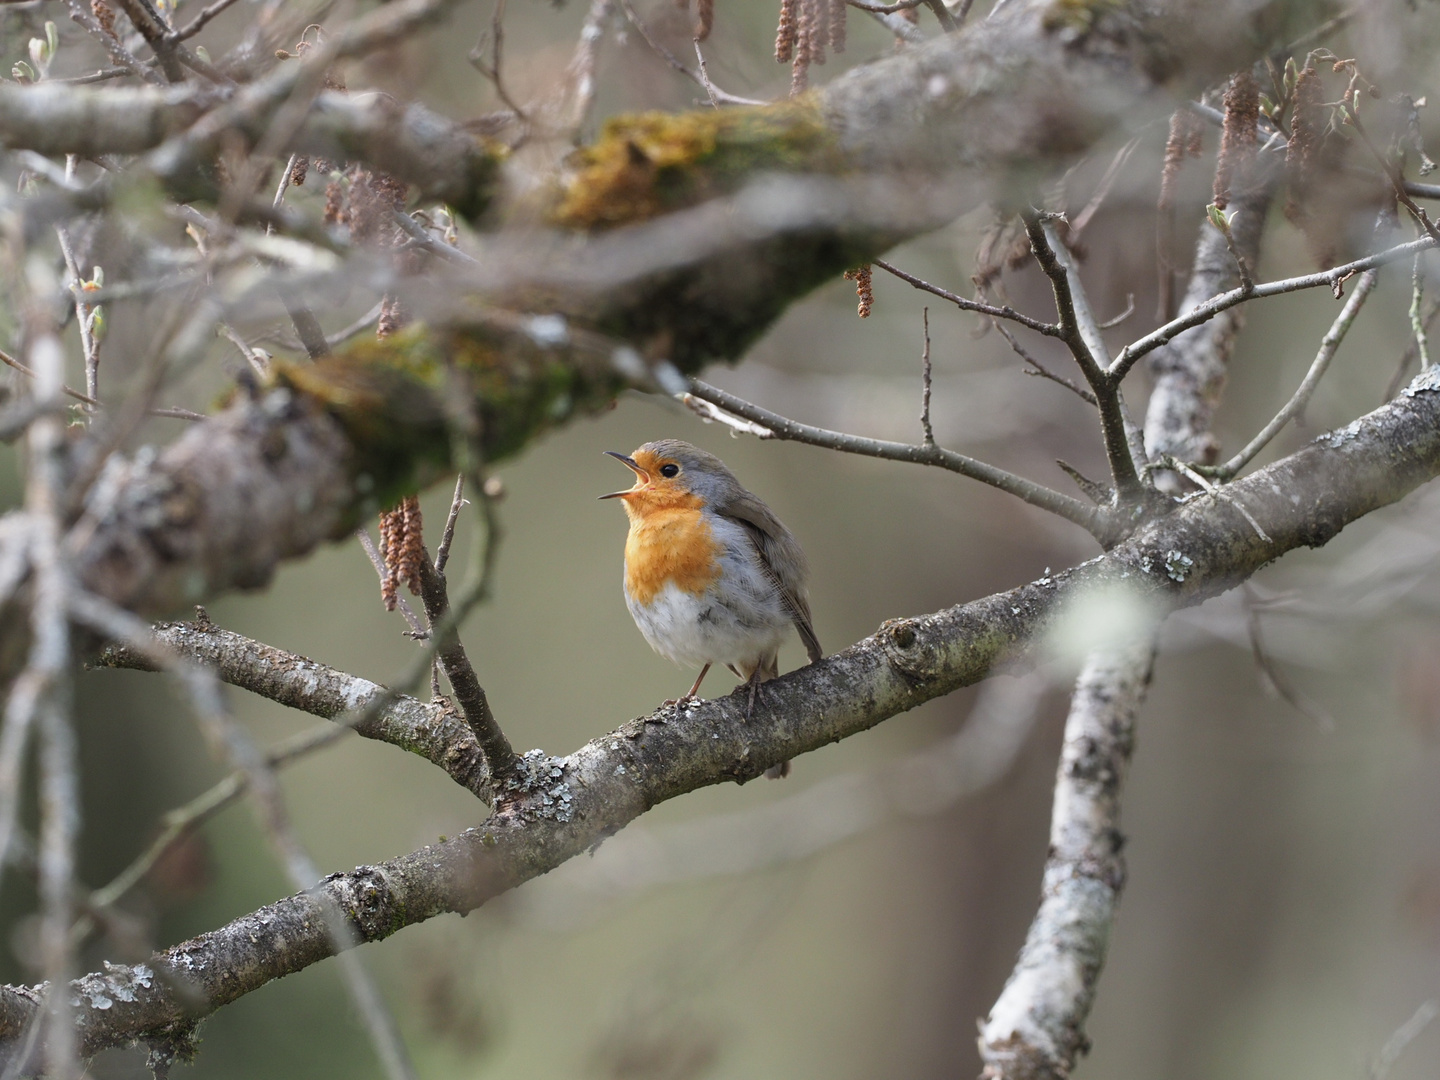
{"type": "Point", "coordinates": [629, 463]}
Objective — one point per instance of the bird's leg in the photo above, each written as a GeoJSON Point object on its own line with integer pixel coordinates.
{"type": "Point", "coordinates": [756, 678]}
{"type": "Point", "coordinates": [693, 690]}
{"type": "Point", "coordinates": [698, 680]}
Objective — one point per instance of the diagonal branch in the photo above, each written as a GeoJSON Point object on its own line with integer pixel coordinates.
{"type": "Point", "coordinates": [1329, 344]}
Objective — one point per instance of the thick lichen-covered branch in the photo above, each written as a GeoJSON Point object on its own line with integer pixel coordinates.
{"type": "Point", "coordinates": [551, 809]}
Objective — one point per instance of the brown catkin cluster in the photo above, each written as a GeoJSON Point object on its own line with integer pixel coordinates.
{"type": "Point", "coordinates": [1185, 141]}
{"type": "Point", "coordinates": [105, 15]}
{"type": "Point", "coordinates": [393, 317]}
{"type": "Point", "coordinates": [1308, 206]}
{"type": "Point", "coordinates": [704, 18]}
{"type": "Point", "coordinates": [861, 276]}
{"type": "Point", "coordinates": [373, 197]}
{"type": "Point", "coordinates": [785, 32]}
{"type": "Point", "coordinates": [335, 202]}
{"type": "Point", "coordinates": [299, 170]}
{"type": "Point", "coordinates": [807, 28]}
{"type": "Point", "coordinates": [1238, 136]}
{"type": "Point", "coordinates": [402, 549]}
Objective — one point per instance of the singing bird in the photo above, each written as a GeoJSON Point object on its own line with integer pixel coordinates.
{"type": "Point", "coordinates": [711, 575]}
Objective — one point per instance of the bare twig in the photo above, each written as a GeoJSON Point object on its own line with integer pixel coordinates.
{"type": "Point", "coordinates": [442, 551]}
{"type": "Point", "coordinates": [183, 820]}
{"type": "Point", "coordinates": [1271, 674]}
{"type": "Point", "coordinates": [417, 628]}
{"type": "Point", "coordinates": [1103, 189]}
{"type": "Point", "coordinates": [1081, 333]}
{"type": "Point", "coordinates": [886, 9]}
{"type": "Point", "coordinates": [1392, 172]}
{"type": "Point", "coordinates": [1090, 518]}
{"type": "Point", "coordinates": [925, 383]}
{"type": "Point", "coordinates": [1138, 348]}
{"type": "Point", "coordinates": [1038, 369]}
{"type": "Point", "coordinates": [964, 304]}
{"type": "Point", "coordinates": [716, 94]}
{"type": "Point", "coordinates": [1417, 320]}
{"type": "Point", "coordinates": [84, 313]}
{"type": "Point", "coordinates": [425, 239]}
{"type": "Point", "coordinates": [1292, 408]}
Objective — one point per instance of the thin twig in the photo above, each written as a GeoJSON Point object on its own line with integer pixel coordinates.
{"type": "Point", "coordinates": [1103, 189]}
{"type": "Point", "coordinates": [964, 304]}
{"type": "Point", "coordinates": [1392, 173]}
{"type": "Point", "coordinates": [1272, 676]}
{"type": "Point", "coordinates": [705, 76]}
{"type": "Point", "coordinates": [1038, 369]}
{"type": "Point", "coordinates": [417, 628]}
{"type": "Point", "coordinates": [1417, 321]}
{"type": "Point", "coordinates": [1092, 519]}
{"type": "Point", "coordinates": [1328, 346]}
{"type": "Point", "coordinates": [424, 239]}
{"type": "Point", "coordinates": [83, 310]}
{"type": "Point", "coordinates": [183, 820]}
{"type": "Point", "coordinates": [195, 25]}
{"type": "Point", "coordinates": [1140, 347]}
{"type": "Point", "coordinates": [1402, 1037]}
{"type": "Point", "coordinates": [1110, 324]}
{"type": "Point", "coordinates": [925, 383]}
{"type": "Point", "coordinates": [678, 65]}
{"type": "Point", "coordinates": [173, 413]}
{"type": "Point", "coordinates": [886, 9]}
{"type": "Point", "coordinates": [1081, 334]}
{"type": "Point", "coordinates": [442, 552]}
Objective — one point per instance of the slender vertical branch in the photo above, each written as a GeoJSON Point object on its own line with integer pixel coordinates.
{"type": "Point", "coordinates": [50, 659]}
{"type": "Point", "coordinates": [1417, 320]}
{"type": "Point", "coordinates": [925, 383]}
{"type": "Point", "coordinates": [1081, 333]}
{"type": "Point", "coordinates": [454, 661]}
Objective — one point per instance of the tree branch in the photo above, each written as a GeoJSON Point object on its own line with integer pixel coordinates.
{"type": "Point", "coordinates": [1037, 1024]}
{"type": "Point", "coordinates": [559, 807]}
{"type": "Point", "coordinates": [1081, 334]}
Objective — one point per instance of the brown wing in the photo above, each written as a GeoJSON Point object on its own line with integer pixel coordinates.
{"type": "Point", "coordinates": [782, 560]}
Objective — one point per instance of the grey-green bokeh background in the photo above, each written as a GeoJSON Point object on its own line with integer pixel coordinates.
{"type": "Point", "coordinates": [1283, 910]}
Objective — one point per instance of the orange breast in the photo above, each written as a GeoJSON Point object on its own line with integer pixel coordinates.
{"type": "Point", "coordinates": [673, 543]}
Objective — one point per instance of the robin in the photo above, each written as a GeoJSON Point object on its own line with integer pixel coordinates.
{"type": "Point", "coordinates": [711, 575]}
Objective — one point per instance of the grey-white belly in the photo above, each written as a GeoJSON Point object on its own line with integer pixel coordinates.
{"type": "Point", "coordinates": [739, 622]}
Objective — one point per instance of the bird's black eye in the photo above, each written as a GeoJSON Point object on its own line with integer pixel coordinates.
{"type": "Point", "coordinates": [670, 470]}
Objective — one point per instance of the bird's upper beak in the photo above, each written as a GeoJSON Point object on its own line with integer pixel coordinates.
{"type": "Point", "coordinates": [629, 463]}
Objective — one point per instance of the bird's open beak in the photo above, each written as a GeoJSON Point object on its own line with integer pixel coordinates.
{"type": "Point", "coordinates": [629, 463]}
